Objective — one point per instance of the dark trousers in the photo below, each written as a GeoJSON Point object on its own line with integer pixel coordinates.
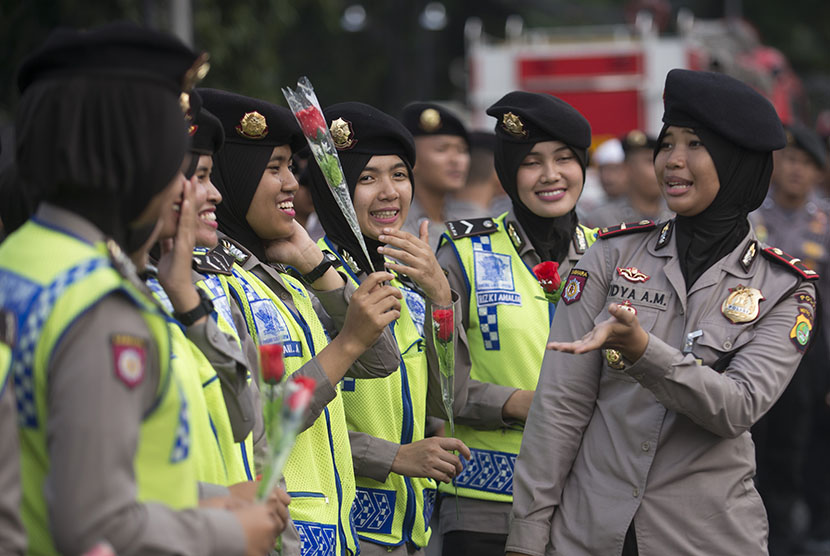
{"type": "Point", "coordinates": [470, 543]}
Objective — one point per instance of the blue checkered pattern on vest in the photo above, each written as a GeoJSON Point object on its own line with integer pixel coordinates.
{"type": "Point", "coordinates": [487, 316]}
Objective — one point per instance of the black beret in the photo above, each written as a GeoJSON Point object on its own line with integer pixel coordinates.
{"type": "Point", "coordinates": [524, 117]}
{"type": "Point", "coordinates": [251, 121]}
{"type": "Point", "coordinates": [362, 129]}
{"type": "Point", "coordinates": [724, 105]}
{"type": "Point", "coordinates": [205, 129]}
{"type": "Point", "coordinates": [426, 118]}
{"type": "Point", "coordinates": [637, 139]}
{"type": "Point", "coordinates": [122, 49]}
{"type": "Point", "coordinates": [808, 141]}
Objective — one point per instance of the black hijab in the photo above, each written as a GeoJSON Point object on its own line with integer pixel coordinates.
{"type": "Point", "coordinates": [744, 175]}
{"type": "Point", "coordinates": [739, 129]}
{"type": "Point", "coordinates": [252, 128]}
{"type": "Point", "coordinates": [524, 119]}
{"type": "Point", "coordinates": [101, 147]}
{"type": "Point", "coordinates": [364, 132]}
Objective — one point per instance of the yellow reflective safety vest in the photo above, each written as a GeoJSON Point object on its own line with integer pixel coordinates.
{"type": "Point", "coordinates": [394, 409]}
{"type": "Point", "coordinates": [199, 381]}
{"type": "Point", "coordinates": [47, 293]}
{"type": "Point", "coordinates": [508, 329]}
{"type": "Point", "coordinates": [319, 473]}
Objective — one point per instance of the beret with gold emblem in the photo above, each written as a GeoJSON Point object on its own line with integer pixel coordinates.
{"type": "Point", "coordinates": [533, 117]}
{"type": "Point", "coordinates": [427, 118]}
{"type": "Point", "coordinates": [249, 120]}
{"type": "Point", "coordinates": [119, 49]}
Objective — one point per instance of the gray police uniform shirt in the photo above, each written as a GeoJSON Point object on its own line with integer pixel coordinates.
{"type": "Point", "coordinates": [92, 496]}
{"type": "Point", "coordinates": [665, 441]}
{"type": "Point", "coordinates": [802, 233]}
{"type": "Point", "coordinates": [484, 403]}
{"type": "Point", "coordinates": [12, 535]}
{"type": "Point", "coordinates": [620, 210]}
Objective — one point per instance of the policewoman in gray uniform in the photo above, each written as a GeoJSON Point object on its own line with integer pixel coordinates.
{"type": "Point", "coordinates": [671, 341]}
{"type": "Point", "coordinates": [540, 158]}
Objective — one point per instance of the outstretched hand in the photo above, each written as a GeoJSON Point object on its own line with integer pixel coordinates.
{"type": "Point", "coordinates": [621, 331]}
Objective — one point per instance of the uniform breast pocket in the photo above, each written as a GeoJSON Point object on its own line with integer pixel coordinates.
{"type": "Point", "coordinates": [720, 342]}
{"type": "Point", "coordinates": [613, 367]}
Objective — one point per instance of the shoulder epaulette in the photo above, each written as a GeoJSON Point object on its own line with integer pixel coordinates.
{"type": "Point", "coordinates": [470, 227]}
{"type": "Point", "coordinates": [235, 249]}
{"type": "Point", "coordinates": [792, 263]}
{"type": "Point", "coordinates": [626, 228]}
{"type": "Point", "coordinates": [216, 261]}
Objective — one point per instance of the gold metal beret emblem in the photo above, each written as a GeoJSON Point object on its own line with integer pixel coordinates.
{"type": "Point", "coordinates": [252, 126]}
{"type": "Point", "coordinates": [342, 134]}
{"type": "Point", "coordinates": [637, 138]}
{"type": "Point", "coordinates": [430, 120]}
{"type": "Point", "coordinates": [513, 125]}
{"type": "Point", "coordinates": [196, 73]}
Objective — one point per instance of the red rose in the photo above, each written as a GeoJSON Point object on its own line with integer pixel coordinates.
{"type": "Point", "coordinates": [270, 362]}
{"type": "Point", "coordinates": [300, 392]}
{"type": "Point", "coordinates": [548, 275]}
{"type": "Point", "coordinates": [311, 120]}
{"type": "Point", "coordinates": [444, 324]}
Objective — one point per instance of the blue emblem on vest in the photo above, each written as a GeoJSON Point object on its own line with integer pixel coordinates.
{"type": "Point", "coordinates": [374, 510]}
{"type": "Point", "coordinates": [417, 308]}
{"type": "Point", "coordinates": [316, 539]}
{"type": "Point", "coordinates": [489, 471]}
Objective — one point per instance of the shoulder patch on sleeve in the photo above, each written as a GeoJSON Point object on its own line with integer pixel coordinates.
{"type": "Point", "coordinates": [216, 261]}
{"type": "Point", "coordinates": [626, 228]}
{"type": "Point", "coordinates": [129, 359]}
{"type": "Point", "coordinates": [235, 249]}
{"type": "Point", "coordinates": [792, 263]}
{"type": "Point", "coordinates": [470, 227]}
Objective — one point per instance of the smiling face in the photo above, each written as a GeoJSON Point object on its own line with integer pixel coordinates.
{"type": "Point", "coordinates": [686, 172]}
{"type": "Point", "coordinates": [271, 212]}
{"type": "Point", "coordinates": [442, 163]}
{"type": "Point", "coordinates": [549, 179]}
{"type": "Point", "coordinates": [382, 195]}
{"type": "Point", "coordinates": [207, 197]}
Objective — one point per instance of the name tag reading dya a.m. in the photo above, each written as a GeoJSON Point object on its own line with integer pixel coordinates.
{"type": "Point", "coordinates": [639, 295]}
{"type": "Point", "coordinates": [494, 280]}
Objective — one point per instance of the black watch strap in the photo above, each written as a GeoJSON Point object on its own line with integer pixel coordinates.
{"type": "Point", "coordinates": [205, 307]}
{"type": "Point", "coordinates": [329, 260]}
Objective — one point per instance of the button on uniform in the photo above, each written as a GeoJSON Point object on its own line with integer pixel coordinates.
{"type": "Point", "coordinates": [645, 446]}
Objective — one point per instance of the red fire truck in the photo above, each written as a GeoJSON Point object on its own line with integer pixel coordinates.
{"type": "Point", "coordinates": [614, 75]}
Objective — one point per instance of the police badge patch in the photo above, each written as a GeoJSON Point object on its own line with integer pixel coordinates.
{"type": "Point", "coordinates": [129, 357]}
{"type": "Point", "coordinates": [494, 280]}
{"type": "Point", "coordinates": [802, 328]}
{"type": "Point", "coordinates": [574, 285]}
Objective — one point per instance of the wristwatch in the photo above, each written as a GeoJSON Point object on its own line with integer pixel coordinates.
{"type": "Point", "coordinates": [329, 260]}
{"type": "Point", "coordinates": [205, 307]}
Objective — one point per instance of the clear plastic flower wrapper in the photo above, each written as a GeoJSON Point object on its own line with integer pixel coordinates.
{"type": "Point", "coordinates": [306, 108]}
{"type": "Point", "coordinates": [443, 334]}
{"type": "Point", "coordinates": [284, 405]}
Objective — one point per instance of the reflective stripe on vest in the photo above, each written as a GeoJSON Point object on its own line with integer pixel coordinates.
{"type": "Point", "coordinates": [47, 294]}
{"type": "Point", "coordinates": [394, 409]}
{"type": "Point", "coordinates": [319, 473]}
{"type": "Point", "coordinates": [513, 322]}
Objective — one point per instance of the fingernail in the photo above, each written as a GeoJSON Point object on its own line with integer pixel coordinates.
{"type": "Point", "coordinates": [380, 249]}
{"type": "Point", "coordinates": [381, 237]}
{"type": "Point", "coordinates": [387, 230]}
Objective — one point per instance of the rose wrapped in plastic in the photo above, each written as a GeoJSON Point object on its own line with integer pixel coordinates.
{"type": "Point", "coordinates": [284, 405]}
{"type": "Point", "coordinates": [306, 108]}
{"type": "Point", "coordinates": [547, 273]}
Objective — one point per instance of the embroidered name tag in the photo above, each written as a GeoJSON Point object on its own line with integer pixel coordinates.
{"type": "Point", "coordinates": [639, 295]}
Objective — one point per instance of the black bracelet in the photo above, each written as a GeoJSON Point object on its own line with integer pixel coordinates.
{"type": "Point", "coordinates": [205, 307]}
